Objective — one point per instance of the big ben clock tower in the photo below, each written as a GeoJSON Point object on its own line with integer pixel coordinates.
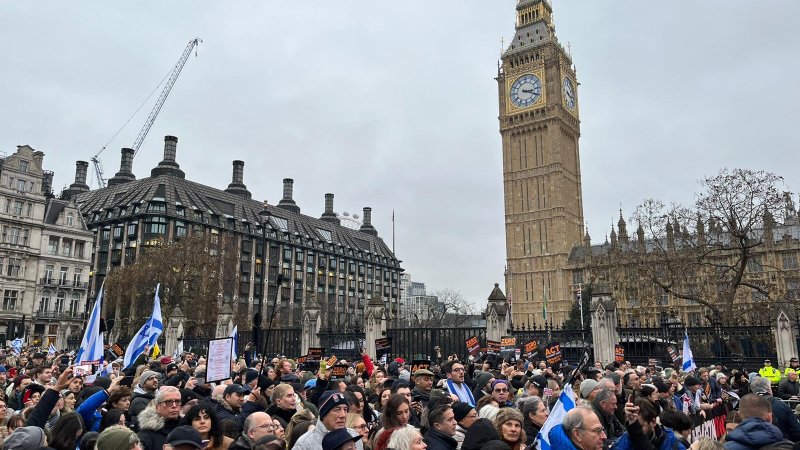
{"type": "Point", "coordinates": [540, 127]}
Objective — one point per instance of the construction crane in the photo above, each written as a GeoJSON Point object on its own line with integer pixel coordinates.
{"type": "Point", "coordinates": [171, 78]}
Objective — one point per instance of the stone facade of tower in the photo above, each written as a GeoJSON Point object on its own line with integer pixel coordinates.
{"type": "Point", "coordinates": [540, 128]}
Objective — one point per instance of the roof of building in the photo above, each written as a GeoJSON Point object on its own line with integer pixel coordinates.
{"type": "Point", "coordinates": [229, 208]}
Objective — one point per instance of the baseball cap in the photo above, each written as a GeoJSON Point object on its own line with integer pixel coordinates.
{"type": "Point", "coordinates": [337, 438]}
{"type": "Point", "coordinates": [235, 388]}
{"type": "Point", "coordinates": [185, 435]}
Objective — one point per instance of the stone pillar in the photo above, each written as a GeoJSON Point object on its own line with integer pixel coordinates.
{"type": "Point", "coordinates": [374, 324]}
{"type": "Point", "coordinates": [498, 315]}
{"type": "Point", "coordinates": [224, 321]}
{"type": "Point", "coordinates": [785, 339]}
{"type": "Point", "coordinates": [604, 323]}
{"type": "Point", "coordinates": [174, 330]}
{"type": "Point", "coordinates": [312, 321]}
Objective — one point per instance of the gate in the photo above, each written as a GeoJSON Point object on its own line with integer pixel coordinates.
{"type": "Point", "coordinates": [573, 341]}
{"type": "Point", "coordinates": [734, 345]}
{"type": "Point", "coordinates": [345, 343]}
{"type": "Point", "coordinates": [420, 343]}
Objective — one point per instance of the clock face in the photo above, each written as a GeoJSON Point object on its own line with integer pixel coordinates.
{"type": "Point", "coordinates": [569, 93]}
{"type": "Point", "coordinates": [526, 90]}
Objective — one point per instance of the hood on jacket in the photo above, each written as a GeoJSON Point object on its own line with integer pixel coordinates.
{"type": "Point", "coordinates": [559, 439]}
{"type": "Point", "coordinates": [150, 420]}
{"type": "Point", "coordinates": [754, 432]}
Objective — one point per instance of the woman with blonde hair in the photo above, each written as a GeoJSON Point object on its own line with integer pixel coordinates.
{"type": "Point", "coordinates": [356, 422]}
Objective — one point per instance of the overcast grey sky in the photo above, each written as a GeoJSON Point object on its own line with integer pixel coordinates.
{"type": "Point", "coordinates": [393, 105]}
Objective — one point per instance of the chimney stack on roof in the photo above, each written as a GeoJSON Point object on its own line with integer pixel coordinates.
{"type": "Point", "coordinates": [237, 185]}
{"type": "Point", "coordinates": [287, 202]}
{"type": "Point", "coordinates": [125, 173]}
{"type": "Point", "coordinates": [169, 166]}
{"type": "Point", "coordinates": [366, 226]}
{"type": "Point", "coordinates": [47, 182]}
{"type": "Point", "coordinates": [329, 215]}
{"type": "Point", "coordinates": [79, 186]}
{"type": "Point", "coordinates": [38, 158]}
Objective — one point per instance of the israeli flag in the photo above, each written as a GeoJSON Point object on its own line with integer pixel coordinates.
{"type": "Point", "coordinates": [91, 349]}
{"type": "Point", "coordinates": [52, 349]}
{"type": "Point", "coordinates": [148, 334]}
{"type": "Point", "coordinates": [16, 344]}
{"type": "Point", "coordinates": [178, 350]}
{"type": "Point", "coordinates": [235, 336]}
{"type": "Point", "coordinates": [688, 358]}
{"type": "Point", "coordinates": [566, 401]}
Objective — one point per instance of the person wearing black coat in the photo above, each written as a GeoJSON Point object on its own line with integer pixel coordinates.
{"type": "Point", "coordinates": [782, 416]}
{"type": "Point", "coordinates": [480, 433]}
{"type": "Point", "coordinates": [442, 429]}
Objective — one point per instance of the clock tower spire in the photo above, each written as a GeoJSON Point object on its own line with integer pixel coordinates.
{"type": "Point", "coordinates": [540, 128]}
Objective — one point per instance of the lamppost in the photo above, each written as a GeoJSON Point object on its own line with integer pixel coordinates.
{"type": "Point", "coordinates": [263, 217]}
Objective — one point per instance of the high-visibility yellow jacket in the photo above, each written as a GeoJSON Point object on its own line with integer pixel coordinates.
{"type": "Point", "coordinates": [789, 369]}
{"type": "Point", "coordinates": [770, 373]}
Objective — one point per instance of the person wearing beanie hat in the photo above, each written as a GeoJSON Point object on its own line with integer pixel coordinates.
{"type": "Point", "coordinates": [465, 416]}
{"type": "Point", "coordinates": [509, 426]}
{"type": "Point", "coordinates": [589, 388]}
{"type": "Point", "coordinates": [442, 429]}
{"type": "Point", "coordinates": [144, 392]}
{"type": "Point", "coordinates": [333, 408]}
{"type": "Point", "coordinates": [483, 382]}
{"type": "Point", "coordinates": [25, 438]}
{"type": "Point", "coordinates": [117, 437]}
{"type": "Point", "coordinates": [500, 392]}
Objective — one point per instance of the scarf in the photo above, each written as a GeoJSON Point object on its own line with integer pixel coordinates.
{"type": "Point", "coordinates": [462, 392]}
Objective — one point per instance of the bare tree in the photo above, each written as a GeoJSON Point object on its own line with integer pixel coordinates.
{"type": "Point", "coordinates": [702, 254]}
{"type": "Point", "coordinates": [444, 308]}
{"type": "Point", "coordinates": [191, 272]}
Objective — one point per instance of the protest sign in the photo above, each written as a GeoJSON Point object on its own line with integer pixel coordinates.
{"type": "Point", "coordinates": [531, 347]}
{"type": "Point", "coordinates": [619, 353]}
{"type": "Point", "coordinates": [420, 364]}
{"type": "Point", "coordinates": [508, 344]}
{"type": "Point", "coordinates": [553, 353]}
{"type": "Point", "coordinates": [339, 371]}
{"type": "Point", "coordinates": [383, 346]}
{"type": "Point", "coordinates": [315, 353]}
{"type": "Point", "coordinates": [492, 346]}
{"type": "Point", "coordinates": [218, 364]}
{"type": "Point", "coordinates": [473, 345]}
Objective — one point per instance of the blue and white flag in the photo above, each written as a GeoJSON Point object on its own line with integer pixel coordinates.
{"type": "Point", "coordinates": [147, 335]}
{"type": "Point", "coordinates": [16, 344]}
{"type": "Point", "coordinates": [688, 358]}
{"type": "Point", "coordinates": [91, 349]}
{"type": "Point", "coordinates": [52, 349]}
{"type": "Point", "coordinates": [178, 350]}
{"type": "Point", "coordinates": [566, 401]}
{"type": "Point", "coordinates": [235, 336]}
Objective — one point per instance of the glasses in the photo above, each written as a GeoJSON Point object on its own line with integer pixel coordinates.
{"type": "Point", "coordinates": [266, 426]}
{"type": "Point", "coordinates": [598, 430]}
{"type": "Point", "coordinates": [501, 390]}
{"type": "Point", "coordinates": [363, 426]}
{"type": "Point", "coordinates": [171, 402]}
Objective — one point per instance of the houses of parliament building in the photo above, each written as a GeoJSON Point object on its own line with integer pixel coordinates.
{"type": "Point", "coordinates": [550, 256]}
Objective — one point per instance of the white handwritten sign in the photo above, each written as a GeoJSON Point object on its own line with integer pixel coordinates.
{"type": "Point", "coordinates": [218, 365]}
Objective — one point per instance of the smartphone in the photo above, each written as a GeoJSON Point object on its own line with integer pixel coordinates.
{"type": "Point", "coordinates": [65, 360]}
{"type": "Point", "coordinates": [201, 381]}
{"type": "Point", "coordinates": [126, 381]}
{"type": "Point", "coordinates": [83, 370]}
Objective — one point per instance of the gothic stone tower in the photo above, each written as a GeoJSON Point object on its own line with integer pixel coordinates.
{"type": "Point", "coordinates": [540, 128]}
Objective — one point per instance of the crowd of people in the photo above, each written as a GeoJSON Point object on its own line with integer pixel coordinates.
{"type": "Point", "coordinates": [277, 404]}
